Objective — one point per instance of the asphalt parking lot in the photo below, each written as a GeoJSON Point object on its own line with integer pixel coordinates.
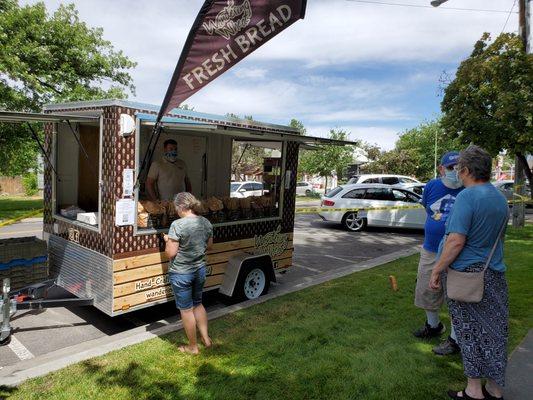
{"type": "Point", "coordinates": [319, 248]}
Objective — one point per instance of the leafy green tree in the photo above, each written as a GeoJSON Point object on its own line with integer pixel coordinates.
{"type": "Point", "coordinates": [298, 125]}
{"type": "Point", "coordinates": [490, 101]}
{"type": "Point", "coordinates": [328, 159]}
{"type": "Point", "coordinates": [51, 58]}
{"type": "Point", "coordinates": [414, 152]}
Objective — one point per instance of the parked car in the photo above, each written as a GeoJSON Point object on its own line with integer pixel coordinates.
{"type": "Point", "coordinates": [397, 180]}
{"type": "Point", "coordinates": [417, 188]}
{"type": "Point", "coordinates": [304, 188]}
{"type": "Point", "coordinates": [507, 188]}
{"type": "Point", "coordinates": [246, 189]}
{"type": "Point", "coordinates": [372, 196]}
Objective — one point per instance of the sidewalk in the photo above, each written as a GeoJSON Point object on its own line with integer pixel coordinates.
{"type": "Point", "coordinates": [520, 371]}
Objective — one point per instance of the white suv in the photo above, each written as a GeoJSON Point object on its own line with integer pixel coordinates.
{"type": "Point", "coordinates": [246, 189]}
{"type": "Point", "coordinates": [397, 180]}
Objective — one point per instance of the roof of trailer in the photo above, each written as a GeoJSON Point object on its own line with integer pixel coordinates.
{"type": "Point", "coordinates": [176, 112]}
{"type": "Point", "coordinates": [147, 113]}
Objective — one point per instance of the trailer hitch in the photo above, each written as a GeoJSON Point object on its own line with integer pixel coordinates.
{"type": "Point", "coordinates": [30, 298]}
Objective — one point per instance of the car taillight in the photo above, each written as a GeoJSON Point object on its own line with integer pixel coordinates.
{"type": "Point", "coordinates": [328, 203]}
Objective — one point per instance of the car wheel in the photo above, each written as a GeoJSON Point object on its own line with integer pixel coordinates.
{"type": "Point", "coordinates": [253, 282]}
{"type": "Point", "coordinates": [307, 192]}
{"type": "Point", "coordinates": [353, 223]}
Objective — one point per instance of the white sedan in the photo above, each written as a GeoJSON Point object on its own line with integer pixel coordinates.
{"type": "Point", "coordinates": [373, 196]}
{"type": "Point", "coordinates": [304, 188]}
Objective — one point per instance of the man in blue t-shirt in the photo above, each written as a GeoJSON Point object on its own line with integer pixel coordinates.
{"type": "Point", "coordinates": [438, 199]}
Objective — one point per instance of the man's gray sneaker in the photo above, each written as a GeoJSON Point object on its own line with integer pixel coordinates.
{"type": "Point", "coordinates": [449, 346]}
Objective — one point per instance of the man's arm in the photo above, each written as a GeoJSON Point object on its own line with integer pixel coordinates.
{"type": "Point", "coordinates": [453, 245]}
{"type": "Point", "coordinates": [150, 188]}
{"type": "Point", "coordinates": [210, 243]}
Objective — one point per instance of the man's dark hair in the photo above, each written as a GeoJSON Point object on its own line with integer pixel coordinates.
{"type": "Point", "coordinates": [478, 162]}
{"type": "Point", "coordinates": [170, 141]}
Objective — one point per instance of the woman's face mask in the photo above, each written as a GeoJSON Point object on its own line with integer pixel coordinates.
{"type": "Point", "coordinates": [171, 156]}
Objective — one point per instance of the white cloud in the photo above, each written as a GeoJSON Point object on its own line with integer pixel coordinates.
{"type": "Point", "coordinates": [383, 136]}
{"type": "Point", "coordinates": [250, 73]}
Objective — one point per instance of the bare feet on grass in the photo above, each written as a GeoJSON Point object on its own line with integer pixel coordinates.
{"type": "Point", "coordinates": [207, 342]}
{"type": "Point", "coordinates": [189, 349]}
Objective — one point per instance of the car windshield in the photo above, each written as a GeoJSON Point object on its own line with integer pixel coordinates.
{"type": "Point", "coordinates": [353, 179]}
{"type": "Point", "coordinates": [333, 192]}
{"type": "Point", "coordinates": [234, 187]}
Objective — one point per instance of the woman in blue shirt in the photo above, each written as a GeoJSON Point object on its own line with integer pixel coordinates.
{"type": "Point", "coordinates": [473, 228]}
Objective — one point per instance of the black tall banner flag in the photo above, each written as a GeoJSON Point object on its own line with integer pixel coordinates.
{"type": "Point", "coordinates": [224, 32]}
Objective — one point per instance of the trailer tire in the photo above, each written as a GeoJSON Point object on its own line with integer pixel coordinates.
{"type": "Point", "coordinates": [253, 281]}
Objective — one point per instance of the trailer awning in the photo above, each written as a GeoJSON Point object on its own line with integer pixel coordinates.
{"type": "Point", "coordinates": [221, 127]}
{"type": "Point", "coordinates": [18, 117]}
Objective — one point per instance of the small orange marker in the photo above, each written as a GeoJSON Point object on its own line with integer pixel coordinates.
{"type": "Point", "coordinates": [393, 283]}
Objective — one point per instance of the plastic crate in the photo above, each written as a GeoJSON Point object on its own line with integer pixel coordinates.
{"type": "Point", "coordinates": [24, 261]}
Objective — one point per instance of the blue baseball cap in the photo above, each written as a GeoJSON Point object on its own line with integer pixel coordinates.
{"type": "Point", "coordinates": [449, 159]}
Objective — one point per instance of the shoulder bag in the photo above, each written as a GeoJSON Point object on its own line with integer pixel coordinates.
{"type": "Point", "coordinates": [468, 287]}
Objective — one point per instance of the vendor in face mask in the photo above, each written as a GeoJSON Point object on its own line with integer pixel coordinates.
{"type": "Point", "coordinates": [168, 176]}
{"type": "Point", "coordinates": [438, 200]}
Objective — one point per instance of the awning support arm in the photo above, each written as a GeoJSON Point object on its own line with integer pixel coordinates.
{"type": "Point", "coordinates": [34, 134]}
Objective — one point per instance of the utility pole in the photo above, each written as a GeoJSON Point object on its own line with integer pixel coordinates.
{"type": "Point", "coordinates": [519, 176]}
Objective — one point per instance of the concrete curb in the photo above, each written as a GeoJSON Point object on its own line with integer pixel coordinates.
{"type": "Point", "coordinates": [14, 375]}
{"type": "Point", "coordinates": [29, 214]}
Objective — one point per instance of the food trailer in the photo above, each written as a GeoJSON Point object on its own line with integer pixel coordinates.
{"type": "Point", "coordinates": [105, 240]}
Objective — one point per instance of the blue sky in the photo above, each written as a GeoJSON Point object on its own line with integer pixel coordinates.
{"type": "Point", "coordinates": [370, 69]}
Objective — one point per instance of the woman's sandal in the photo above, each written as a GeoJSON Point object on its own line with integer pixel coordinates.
{"type": "Point", "coordinates": [488, 396]}
{"type": "Point", "coordinates": [455, 395]}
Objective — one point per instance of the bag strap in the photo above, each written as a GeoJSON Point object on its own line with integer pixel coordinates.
{"type": "Point", "coordinates": [498, 238]}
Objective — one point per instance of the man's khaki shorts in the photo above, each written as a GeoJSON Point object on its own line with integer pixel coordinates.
{"type": "Point", "coordinates": [427, 298]}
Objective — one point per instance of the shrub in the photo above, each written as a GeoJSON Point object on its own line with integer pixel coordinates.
{"type": "Point", "coordinates": [29, 182]}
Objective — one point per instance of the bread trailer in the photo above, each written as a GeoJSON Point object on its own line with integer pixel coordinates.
{"type": "Point", "coordinates": [105, 240]}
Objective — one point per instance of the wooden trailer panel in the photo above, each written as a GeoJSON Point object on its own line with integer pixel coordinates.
{"type": "Point", "coordinates": [143, 279]}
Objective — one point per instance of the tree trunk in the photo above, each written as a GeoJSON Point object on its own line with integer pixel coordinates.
{"type": "Point", "coordinates": [326, 185]}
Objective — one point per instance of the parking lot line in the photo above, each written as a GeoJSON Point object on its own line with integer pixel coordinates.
{"type": "Point", "coordinates": [308, 268]}
{"type": "Point", "coordinates": [345, 259]}
{"type": "Point", "coordinates": [19, 349]}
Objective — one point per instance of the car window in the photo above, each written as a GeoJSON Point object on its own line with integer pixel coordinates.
{"type": "Point", "coordinates": [418, 189]}
{"type": "Point", "coordinates": [407, 180]}
{"type": "Point", "coordinates": [390, 180]}
{"type": "Point", "coordinates": [248, 186]}
{"type": "Point", "coordinates": [355, 194]}
{"type": "Point", "coordinates": [400, 195]}
{"type": "Point", "coordinates": [371, 180]}
{"type": "Point", "coordinates": [378, 194]}
{"type": "Point", "coordinates": [300, 184]}
{"type": "Point", "coordinates": [257, 186]}
{"type": "Point", "coordinates": [234, 187]}
{"type": "Point", "coordinates": [334, 192]}
{"type": "Point", "coordinates": [353, 179]}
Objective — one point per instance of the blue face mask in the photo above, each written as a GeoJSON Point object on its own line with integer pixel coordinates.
{"type": "Point", "coordinates": [452, 180]}
{"type": "Point", "coordinates": [171, 156]}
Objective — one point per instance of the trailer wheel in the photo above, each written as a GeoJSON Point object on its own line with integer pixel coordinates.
{"type": "Point", "coordinates": [253, 282]}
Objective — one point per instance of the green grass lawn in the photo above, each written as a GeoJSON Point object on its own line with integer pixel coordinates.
{"type": "Point", "coordinates": [346, 339]}
{"type": "Point", "coordinates": [15, 207]}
